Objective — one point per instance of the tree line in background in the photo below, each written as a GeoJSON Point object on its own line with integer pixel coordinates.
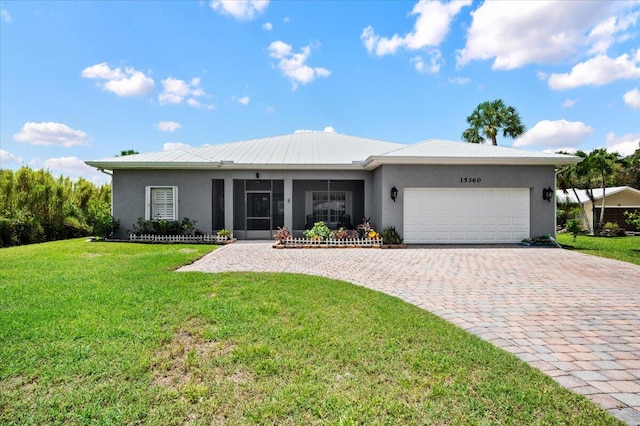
{"type": "Point", "coordinates": [35, 207]}
{"type": "Point", "coordinates": [599, 169]}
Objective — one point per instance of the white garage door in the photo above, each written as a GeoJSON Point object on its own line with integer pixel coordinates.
{"type": "Point", "coordinates": [460, 215]}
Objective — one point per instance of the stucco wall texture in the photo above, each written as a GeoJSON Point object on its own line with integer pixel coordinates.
{"type": "Point", "coordinates": [195, 190]}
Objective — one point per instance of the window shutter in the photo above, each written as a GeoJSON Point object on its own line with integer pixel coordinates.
{"type": "Point", "coordinates": [162, 203]}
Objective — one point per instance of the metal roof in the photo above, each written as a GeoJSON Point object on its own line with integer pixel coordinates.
{"type": "Point", "coordinates": [583, 197]}
{"type": "Point", "coordinates": [323, 150]}
{"type": "Point", "coordinates": [294, 150]}
{"type": "Point", "coordinates": [438, 151]}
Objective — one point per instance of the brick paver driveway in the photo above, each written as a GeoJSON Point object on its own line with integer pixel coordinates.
{"type": "Point", "coordinates": [575, 317]}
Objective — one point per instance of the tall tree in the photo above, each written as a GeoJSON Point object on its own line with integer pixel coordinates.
{"type": "Point", "coordinates": [628, 171]}
{"type": "Point", "coordinates": [127, 152]}
{"type": "Point", "coordinates": [489, 118]}
{"type": "Point", "coordinates": [569, 177]}
{"type": "Point", "coordinates": [603, 166]}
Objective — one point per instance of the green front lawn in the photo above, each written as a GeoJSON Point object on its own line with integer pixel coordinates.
{"type": "Point", "coordinates": [107, 333]}
{"type": "Point", "coordinates": [626, 249]}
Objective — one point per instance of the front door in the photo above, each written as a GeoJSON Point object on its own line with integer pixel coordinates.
{"type": "Point", "coordinates": [258, 208]}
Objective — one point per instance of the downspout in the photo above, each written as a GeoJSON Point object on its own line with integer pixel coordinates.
{"type": "Point", "coordinates": [109, 174]}
{"type": "Point", "coordinates": [555, 204]}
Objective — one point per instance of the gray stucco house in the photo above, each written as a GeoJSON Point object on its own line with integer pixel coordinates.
{"type": "Point", "coordinates": [433, 191]}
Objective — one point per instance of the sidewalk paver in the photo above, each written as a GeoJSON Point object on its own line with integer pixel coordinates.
{"type": "Point", "coordinates": [573, 316]}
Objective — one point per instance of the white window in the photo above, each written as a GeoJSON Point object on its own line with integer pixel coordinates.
{"type": "Point", "coordinates": [328, 207]}
{"type": "Point", "coordinates": [161, 203]}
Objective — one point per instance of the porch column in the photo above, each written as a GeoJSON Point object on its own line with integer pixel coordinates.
{"type": "Point", "coordinates": [288, 203]}
{"type": "Point", "coordinates": [228, 204]}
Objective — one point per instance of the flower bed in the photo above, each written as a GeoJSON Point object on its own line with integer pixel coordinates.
{"type": "Point", "coordinates": [328, 243]}
{"type": "Point", "coordinates": [204, 238]}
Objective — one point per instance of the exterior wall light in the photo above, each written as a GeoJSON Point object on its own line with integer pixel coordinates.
{"type": "Point", "coordinates": [394, 193]}
{"type": "Point", "coordinates": [547, 194]}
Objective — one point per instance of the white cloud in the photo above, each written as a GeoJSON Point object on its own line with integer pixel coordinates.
{"type": "Point", "coordinates": [51, 134]}
{"type": "Point", "coordinates": [518, 33]}
{"type": "Point", "coordinates": [267, 26]}
{"type": "Point", "coordinates": [632, 98]}
{"type": "Point", "coordinates": [244, 100]}
{"type": "Point", "coordinates": [597, 71]}
{"type": "Point", "coordinates": [175, 91]}
{"type": "Point", "coordinates": [243, 10]}
{"type": "Point", "coordinates": [569, 103]}
{"type": "Point", "coordinates": [431, 27]}
{"type": "Point", "coordinates": [430, 65]}
{"type": "Point", "coordinates": [71, 165]}
{"type": "Point", "coordinates": [555, 134]}
{"type": "Point", "coordinates": [293, 65]}
{"type": "Point", "coordinates": [6, 16]}
{"type": "Point", "coordinates": [168, 126]}
{"type": "Point", "coordinates": [7, 158]}
{"type": "Point", "coordinates": [624, 145]}
{"type": "Point", "coordinates": [606, 33]}
{"type": "Point", "coordinates": [129, 82]}
{"type": "Point", "coordinates": [459, 80]}
{"type": "Point", "coordinates": [327, 129]}
{"type": "Point", "coordinates": [170, 146]}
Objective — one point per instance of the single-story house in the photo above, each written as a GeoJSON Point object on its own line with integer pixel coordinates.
{"type": "Point", "coordinates": [434, 191]}
{"type": "Point", "coordinates": [617, 200]}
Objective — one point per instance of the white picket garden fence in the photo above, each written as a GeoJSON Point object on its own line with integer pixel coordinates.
{"type": "Point", "coordinates": [349, 242]}
{"type": "Point", "coordinates": [205, 238]}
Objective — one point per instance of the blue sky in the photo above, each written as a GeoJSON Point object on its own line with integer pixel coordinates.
{"type": "Point", "coordinates": [85, 80]}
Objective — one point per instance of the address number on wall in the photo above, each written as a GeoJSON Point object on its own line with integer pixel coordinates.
{"type": "Point", "coordinates": [470, 180]}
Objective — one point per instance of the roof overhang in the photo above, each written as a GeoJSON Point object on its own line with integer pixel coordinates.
{"type": "Point", "coordinates": [221, 165]}
{"type": "Point", "coordinates": [376, 161]}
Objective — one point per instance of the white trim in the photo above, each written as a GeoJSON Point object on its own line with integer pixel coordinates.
{"type": "Point", "coordinates": [148, 202]}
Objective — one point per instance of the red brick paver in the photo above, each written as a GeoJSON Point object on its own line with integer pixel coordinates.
{"type": "Point", "coordinates": [575, 317]}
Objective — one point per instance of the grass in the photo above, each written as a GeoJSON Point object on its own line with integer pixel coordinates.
{"type": "Point", "coordinates": [626, 249]}
{"type": "Point", "coordinates": [107, 333]}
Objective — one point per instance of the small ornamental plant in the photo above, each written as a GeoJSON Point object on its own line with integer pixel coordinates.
{"type": "Point", "coordinates": [224, 233]}
{"type": "Point", "coordinates": [365, 230]}
{"type": "Point", "coordinates": [282, 235]}
{"type": "Point", "coordinates": [320, 231]}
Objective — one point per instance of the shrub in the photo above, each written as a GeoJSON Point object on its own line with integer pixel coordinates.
{"type": "Point", "coordinates": [633, 218]}
{"type": "Point", "coordinates": [73, 228]}
{"type": "Point", "coordinates": [105, 226]}
{"type": "Point", "coordinates": [574, 226]}
{"type": "Point", "coordinates": [156, 227]}
{"type": "Point", "coordinates": [320, 231]}
{"type": "Point", "coordinates": [391, 236]}
{"type": "Point", "coordinates": [227, 233]}
{"type": "Point", "coordinates": [188, 226]}
{"type": "Point", "coordinates": [611, 229]}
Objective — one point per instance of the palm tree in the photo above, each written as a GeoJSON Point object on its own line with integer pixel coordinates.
{"type": "Point", "coordinates": [568, 177]}
{"type": "Point", "coordinates": [602, 164]}
{"type": "Point", "coordinates": [489, 118]}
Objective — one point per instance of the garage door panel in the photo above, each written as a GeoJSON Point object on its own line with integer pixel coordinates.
{"type": "Point", "coordinates": [466, 215]}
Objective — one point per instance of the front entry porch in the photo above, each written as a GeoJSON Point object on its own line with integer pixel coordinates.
{"type": "Point", "coordinates": [260, 206]}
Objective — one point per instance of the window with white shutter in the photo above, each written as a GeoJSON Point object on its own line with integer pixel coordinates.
{"type": "Point", "coordinates": [161, 203]}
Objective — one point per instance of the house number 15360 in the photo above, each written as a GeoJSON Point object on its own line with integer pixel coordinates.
{"type": "Point", "coordinates": [470, 180]}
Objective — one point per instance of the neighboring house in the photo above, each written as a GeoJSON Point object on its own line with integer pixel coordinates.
{"type": "Point", "coordinates": [443, 191]}
{"type": "Point", "coordinates": [618, 199]}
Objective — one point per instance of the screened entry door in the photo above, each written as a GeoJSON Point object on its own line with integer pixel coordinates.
{"type": "Point", "coordinates": [258, 211]}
